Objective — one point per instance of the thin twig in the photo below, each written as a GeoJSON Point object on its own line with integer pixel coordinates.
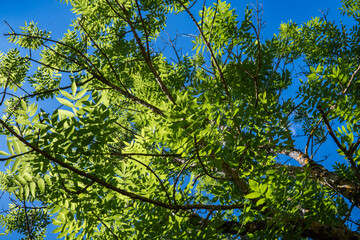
{"type": "Point", "coordinates": [106, 226]}
{"type": "Point", "coordinates": [340, 146]}
{"type": "Point", "coordinates": [207, 43]}
{"type": "Point", "coordinates": [178, 177]}
{"type": "Point", "coordinates": [15, 156]}
{"type": "Point", "coordinates": [98, 75]}
{"type": "Point", "coordinates": [154, 173]}
{"type": "Point", "coordinates": [202, 164]}
{"type": "Point", "coordinates": [102, 53]}
{"type": "Point", "coordinates": [351, 79]}
{"type": "Point", "coordinates": [5, 88]}
{"type": "Point", "coordinates": [144, 53]}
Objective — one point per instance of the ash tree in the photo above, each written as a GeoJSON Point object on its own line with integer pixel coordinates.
{"type": "Point", "coordinates": [147, 141]}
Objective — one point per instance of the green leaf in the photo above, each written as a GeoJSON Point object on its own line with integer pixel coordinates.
{"type": "Point", "coordinates": [56, 230]}
{"type": "Point", "coordinates": [55, 209]}
{"type": "Point", "coordinates": [26, 191]}
{"type": "Point", "coordinates": [33, 110]}
{"type": "Point", "coordinates": [40, 125]}
{"type": "Point", "coordinates": [263, 188]}
{"type": "Point", "coordinates": [41, 184]}
{"type": "Point", "coordinates": [61, 216]}
{"type": "Point", "coordinates": [32, 188]}
{"type": "Point", "coordinates": [344, 129]}
{"type": "Point", "coordinates": [65, 102]}
{"type": "Point", "coordinates": [47, 179]}
{"type": "Point", "coordinates": [26, 175]}
{"type": "Point", "coordinates": [16, 164]}
{"type": "Point", "coordinates": [253, 195]}
{"type": "Point", "coordinates": [21, 179]}
{"type": "Point", "coordinates": [67, 95]}
{"type": "Point", "coordinates": [23, 120]}
{"type": "Point", "coordinates": [73, 88]}
{"type": "Point", "coordinates": [253, 185]}
{"type": "Point", "coordinates": [80, 94]}
{"type": "Point", "coordinates": [10, 147]}
{"type": "Point", "coordinates": [260, 201]}
{"type": "Point", "coordinates": [4, 153]}
{"type": "Point", "coordinates": [66, 113]}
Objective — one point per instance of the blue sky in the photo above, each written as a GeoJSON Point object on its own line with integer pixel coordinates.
{"type": "Point", "coordinates": [55, 17]}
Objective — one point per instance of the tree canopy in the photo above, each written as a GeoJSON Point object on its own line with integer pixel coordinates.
{"type": "Point", "coordinates": [148, 143]}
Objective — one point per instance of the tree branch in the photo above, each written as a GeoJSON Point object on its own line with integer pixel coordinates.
{"type": "Point", "coordinates": [347, 153]}
{"type": "Point", "coordinates": [341, 185]}
{"type": "Point", "coordinates": [207, 43]}
{"type": "Point", "coordinates": [97, 74]}
{"type": "Point", "coordinates": [116, 189]}
{"type": "Point", "coordinates": [146, 56]}
{"type": "Point", "coordinates": [154, 173]}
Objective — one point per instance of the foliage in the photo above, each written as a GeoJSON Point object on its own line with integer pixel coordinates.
{"type": "Point", "coordinates": [141, 146]}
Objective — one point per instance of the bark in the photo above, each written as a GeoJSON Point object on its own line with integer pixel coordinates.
{"type": "Point", "coordinates": [345, 187]}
